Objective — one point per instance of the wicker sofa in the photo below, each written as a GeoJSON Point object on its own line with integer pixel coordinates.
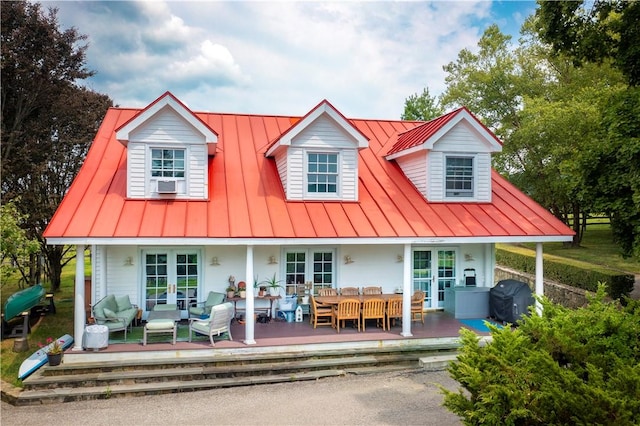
{"type": "Point", "coordinates": [115, 312]}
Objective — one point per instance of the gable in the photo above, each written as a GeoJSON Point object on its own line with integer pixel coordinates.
{"type": "Point", "coordinates": [167, 127]}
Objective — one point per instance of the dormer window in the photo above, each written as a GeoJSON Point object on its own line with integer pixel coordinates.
{"type": "Point", "coordinates": [459, 177]}
{"type": "Point", "coordinates": [322, 173]}
{"type": "Point", "coordinates": [168, 163]}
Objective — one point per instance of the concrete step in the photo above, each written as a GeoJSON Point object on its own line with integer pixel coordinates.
{"type": "Point", "coordinates": [437, 362]}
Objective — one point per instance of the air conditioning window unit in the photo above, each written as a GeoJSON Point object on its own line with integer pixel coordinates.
{"type": "Point", "coordinates": [167, 187]}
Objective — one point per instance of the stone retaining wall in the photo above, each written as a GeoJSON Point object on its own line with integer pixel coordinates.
{"type": "Point", "coordinates": [565, 295]}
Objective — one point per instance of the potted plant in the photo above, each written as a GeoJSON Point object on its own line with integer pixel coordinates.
{"type": "Point", "coordinates": [231, 291]}
{"type": "Point", "coordinates": [242, 289]}
{"type": "Point", "coordinates": [274, 285]}
{"type": "Point", "coordinates": [54, 351]}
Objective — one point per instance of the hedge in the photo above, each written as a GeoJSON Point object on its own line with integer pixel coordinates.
{"type": "Point", "coordinates": [585, 277]}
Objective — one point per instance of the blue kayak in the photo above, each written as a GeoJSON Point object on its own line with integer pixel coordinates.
{"type": "Point", "coordinates": [23, 300]}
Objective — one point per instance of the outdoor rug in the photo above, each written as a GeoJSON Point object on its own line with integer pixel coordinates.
{"type": "Point", "coordinates": [135, 336]}
{"type": "Point", "coordinates": [479, 324]}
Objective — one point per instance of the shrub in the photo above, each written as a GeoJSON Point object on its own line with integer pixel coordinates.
{"type": "Point", "coordinates": [585, 277]}
{"type": "Point", "coordinates": [565, 367]}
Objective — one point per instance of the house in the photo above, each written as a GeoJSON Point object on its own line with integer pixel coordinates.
{"type": "Point", "coordinates": [173, 202]}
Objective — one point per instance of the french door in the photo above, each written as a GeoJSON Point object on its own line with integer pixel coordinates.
{"type": "Point", "coordinates": [433, 271]}
{"type": "Point", "coordinates": [309, 265]}
{"type": "Point", "coordinates": [171, 276]}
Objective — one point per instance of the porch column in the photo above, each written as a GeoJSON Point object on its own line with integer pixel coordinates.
{"type": "Point", "coordinates": [539, 276]}
{"type": "Point", "coordinates": [406, 292]}
{"type": "Point", "coordinates": [79, 318]}
{"type": "Point", "coordinates": [249, 324]}
{"type": "Point", "coordinates": [103, 273]}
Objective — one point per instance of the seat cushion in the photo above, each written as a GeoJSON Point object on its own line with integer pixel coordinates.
{"type": "Point", "coordinates": [160, 324]}
{"type": "Point", "coordinates": [123, 303]}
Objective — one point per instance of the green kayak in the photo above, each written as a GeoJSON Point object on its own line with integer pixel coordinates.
{"type": "Point", "coordinates": [23, 301]}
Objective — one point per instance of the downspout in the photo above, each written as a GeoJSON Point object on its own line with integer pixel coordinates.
{"type": "Point", "coordinates": [539, 277]}
{"type": "Point", "coordinates": [406, 292]}
{"type": "Point", "coordinates": [249, 323]}
{"type": "Point", "coordinates": [79, 317]}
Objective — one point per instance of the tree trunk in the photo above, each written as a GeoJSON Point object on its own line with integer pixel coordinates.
{"type": "Point", "coordinates": [54, 256]}
{"type": "Point", "coordinates": [577, 226]}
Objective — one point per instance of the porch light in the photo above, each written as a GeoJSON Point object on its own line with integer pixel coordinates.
{"type": "Point", "coordinates": [128, 261]}
{"type": "Point", "coordinates": [399, 258]}
{"type": "Point", "coordinates": [348, 260]}
{"type": "Point", "coordinates": [272, 260]}
{"type": "Point", "coordinates": [468, 257]}
{"type": "Point", "coordinates": [214, 261]}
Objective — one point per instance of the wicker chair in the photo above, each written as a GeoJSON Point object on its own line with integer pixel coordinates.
{"type": "Point", "coordinates": [417, 306]}
{"type": "Point", "coordinates": [373, 309]}
{"type": "Point", "coordinates": [319, 312]}
{"type": "Point", "coordinates": [349, 291]}
{"type": "Point", "coordinates": [327, 292]}
{"type": "Point", "coordinates": [394, 310]}
{"type": "Point", "coordinates": [348, 309]}
{"type": "Point", "coordinates": [371, 290]}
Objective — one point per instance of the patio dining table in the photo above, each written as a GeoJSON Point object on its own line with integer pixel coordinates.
{"type": "Point", "coordinates": [334, 300]}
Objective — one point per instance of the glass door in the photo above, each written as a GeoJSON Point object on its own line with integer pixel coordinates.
{"type": "Point", "coordinates": [302, 266]}
{"type": "Point", "coordinates": [171, 276]}
{"type": "Point", "coordinates": [433, 271]}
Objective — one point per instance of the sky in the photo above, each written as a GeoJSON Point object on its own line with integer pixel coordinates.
{"type": "Point", "coordinates": [280, 58]}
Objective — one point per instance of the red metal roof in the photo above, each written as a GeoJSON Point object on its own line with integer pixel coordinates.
{"type": "Point", "coordinates": [246, 198]}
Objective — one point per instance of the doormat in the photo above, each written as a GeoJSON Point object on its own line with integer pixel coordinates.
{"type": "Point", "coordinates": [479, 324]}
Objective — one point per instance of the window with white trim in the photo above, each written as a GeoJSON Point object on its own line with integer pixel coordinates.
{"type": "Point", "coordinates": [168, 163]}
{"type": "Point", "coordinates": [459, 177]}
{"type": "Point", "coordinates": [315, 265]}
{"type": "Point", "coordinates": [322, 173]}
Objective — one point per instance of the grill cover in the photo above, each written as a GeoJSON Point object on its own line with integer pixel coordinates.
{"type": "Point", "coordinates": [509, 300]}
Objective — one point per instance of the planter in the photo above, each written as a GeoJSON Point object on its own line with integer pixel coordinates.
{"type": "Point", "coordinates": [230, 294]}
{"type": "Point", "coordinates": [274, 291]}
{"type": "Point", "coordinates": [54, 359]}
{"type": "Point", "coordinates": [243, 294]}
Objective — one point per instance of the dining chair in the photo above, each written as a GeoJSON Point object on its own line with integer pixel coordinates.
{"type": "Point", "coordinates": [348, 309]}
{"type": "Point", "coordinates": [349, 291]}
{"type": "Point", "coordinates": [394, 310]}
{"type": "Point", "coordinates": [327, 292]}
{"type": "Point", "coordinates": [371, 290]}
{"type": "Point", "coordinates": [417, 306]}
{"type": "Point", "coordinates": [319, 312]}
{"type": "Point", "coordinates": [373, 309]}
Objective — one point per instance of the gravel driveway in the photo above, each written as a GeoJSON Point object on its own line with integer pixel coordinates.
{"type": "Point", "coordinates": [400, 398]}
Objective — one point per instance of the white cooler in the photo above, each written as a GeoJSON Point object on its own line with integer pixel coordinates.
{"type": "Point", "coordinates": [95, 337]}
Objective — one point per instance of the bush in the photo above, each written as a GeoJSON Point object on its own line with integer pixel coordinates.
{"type": "Point", "coordinates": [585, 277]}
{"type": "Point", "coordinates": [566, 367]}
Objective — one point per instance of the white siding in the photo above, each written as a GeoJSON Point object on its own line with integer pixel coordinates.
{"type": "Point", "coordinates": [324, 133]}
{"type": "Point", "coordinates": [349, 175]}
{"type": "Point", "coordinates": [483, 177]}
{"type": "Point", "coordinates": [461, 138]}
{"type": "Point", "coordinates": [136, 172]}
{"type": "Point", "coordinates": [281, 164]}
{"type": "Point", "coordinates": [414, 167]}
{"type": "Point", "coordinates": [435, 165]}
{"type": "Point", "coordinates": [295, 174]}
{"type": "Point", "coordinates": [167, 127]}
{"type": "Point", "coordinates": [123, 279]}
{"type": "Point", "coordinates": [197, 172]}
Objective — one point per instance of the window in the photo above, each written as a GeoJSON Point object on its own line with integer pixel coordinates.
{"type": "Point", "coordinates": [459, 177]}
{"type": "Point", "coordinates": [167, 163]}
{"type": "Point", "coordinates": [322, 173]}
{"type": "Point", "coordinates": [302, 266]}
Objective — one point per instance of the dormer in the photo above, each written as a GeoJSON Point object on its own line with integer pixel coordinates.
{"type": "Point", "coordinates": [448, 158]}
{"type": "Point", "coordinates": [167, 149]}
{"type": "Point", "coordinates": [317, 157]}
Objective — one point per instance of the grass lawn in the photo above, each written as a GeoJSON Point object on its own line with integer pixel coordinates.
{"type": "Point", "coordinates": [53, 326]}
{"type": "Point", "coordinates": [597, 248]}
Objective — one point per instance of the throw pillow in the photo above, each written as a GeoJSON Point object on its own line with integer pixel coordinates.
{"type": "Point", "coordinates": [109, 313]}
{"type": "Point", "coordinates": [123, 303]}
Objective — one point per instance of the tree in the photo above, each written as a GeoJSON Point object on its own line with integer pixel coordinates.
{"type": "Point", "coordinates": [422, 107]}
{"type": "Point", "coordinates": [15, 248]}
{"type": "Point", "coordinates": [48, 120]}
{"type": "Point", "coordinates": [565, 367]}
{"type": "Point", "coordinates": [608, 29]}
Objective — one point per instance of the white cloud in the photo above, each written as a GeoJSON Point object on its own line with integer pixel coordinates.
{"type": "Point", "coordinates": [275, 58]}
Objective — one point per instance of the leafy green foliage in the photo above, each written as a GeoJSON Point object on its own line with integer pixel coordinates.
{"type": "Point", "coordinates": [564, 367]}
{"type": "Point", "coordinates": [15, 247]}
{"type": "Point", "coordinates": [48, 120]}
{"type": "Point", "coordinates": [422, 107]}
